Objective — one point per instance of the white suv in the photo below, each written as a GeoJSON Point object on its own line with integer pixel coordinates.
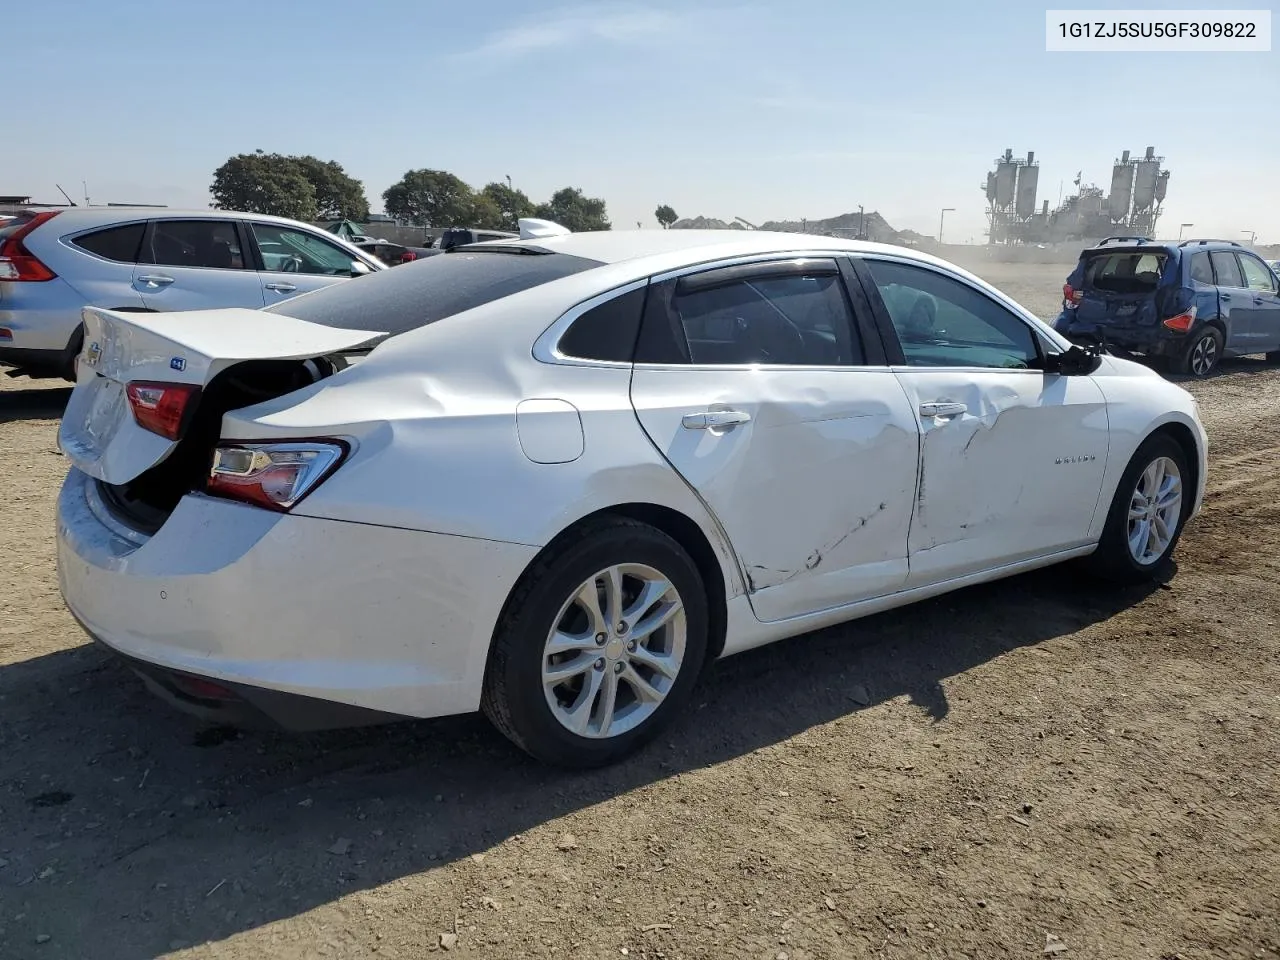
{"type": "Point", "coordinates": [55, 262]}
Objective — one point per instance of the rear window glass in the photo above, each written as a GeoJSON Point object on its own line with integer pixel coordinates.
{"type": "Point", "coordinates": [428, 290]}
{"type": "Point", "coordinates": [1131, 272]}
{"type": "Point", "coordinates": [1201, 271]}
{"type": "Point", "coordinates": [116, 243]}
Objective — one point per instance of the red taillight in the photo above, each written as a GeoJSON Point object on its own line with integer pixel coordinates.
{"type": "Point", "coordinates": [202, 688]}
{"type": "Point", "coordinates": [161, 407]}
{"type": "Point", "coordinates": [1070, 295]}
{"type": "Point", "coordinates": [1182, 322]}
{"type": "Point", "coordinates": [408, 256]}
{"type": "Point", "coordinates": [16, 261]}
{"type": "Point", "coordinates": [6, 333]}
{"type": "Point", "coordinates": [273, 475]}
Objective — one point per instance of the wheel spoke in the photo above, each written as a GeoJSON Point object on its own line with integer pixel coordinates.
{"type": "Point", "coordinates": [562, 642]}
{"type": "Point", "coordinates": [1137, 508]}
{"type": "Point", "coordinates": [655, 620]}
{"type": "Point", "coordinates": [579, 715]}
{"type": "Point", "coordinates": [653, 591]}
{"type": "Point", "coordinates": [645, 691]}
{"type": "Point", "coordinates": [558, 673]}
{"type": "Point", "coordinates": [588, 597]}
{"type": "Point", "coordinates": [660, 663]}
{"type": "Point", "coordinates": [1161, 534]}
{"type": "Point", "coordinates": [612, 598]}
{"type": "Point", "coordinates": [1139, 537]}
{"type": "Point", "coordinates": [608, 699]}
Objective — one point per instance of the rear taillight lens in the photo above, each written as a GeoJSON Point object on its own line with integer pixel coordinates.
{"type": "Point", "coordinates": [161, 407]}
{"type": "Point", "coordinates": [273, 475]}
{"type": "Point", "coordinates": [408, 256]}
{"type": "Point", "coordinates": [1182, 322]}
{"type": "Point", "coordinates": [16, 261]}
{"type": "Point", "coordinates": [1071, 295]}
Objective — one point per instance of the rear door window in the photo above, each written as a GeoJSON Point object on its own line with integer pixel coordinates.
{"type": "Point", "coordinates": [1226, 268]}
{"type": "Point", "coordinates": [212, 244]}
{"type": "Point", "coordinates": [120, 244]}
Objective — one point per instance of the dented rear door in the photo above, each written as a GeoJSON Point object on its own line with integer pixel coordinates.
{"type": "Point", "coordinates": [804, 453]}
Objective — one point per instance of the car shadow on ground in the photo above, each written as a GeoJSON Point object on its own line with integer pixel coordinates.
{"type": "Point", "coordinates": [130, 831]}
{"type": "Point", "coordinates": [34, 403]}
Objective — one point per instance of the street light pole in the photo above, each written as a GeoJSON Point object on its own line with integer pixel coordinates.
{"type": "Point", "coordinates": [941, 219]}
{"type": "Point", "coordinates": [862, 234]}
{"type": "Point", "coordinates": [1183, 226]}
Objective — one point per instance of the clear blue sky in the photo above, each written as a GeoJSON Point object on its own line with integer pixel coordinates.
{"type": "Point", "coordinates": [766, 110]}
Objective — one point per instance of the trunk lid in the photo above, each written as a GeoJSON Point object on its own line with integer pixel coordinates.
{"type": "Point", "coordinates": [99, 433]}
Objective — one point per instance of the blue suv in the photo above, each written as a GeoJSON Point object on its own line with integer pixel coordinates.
{"type": "Point", "coordinates": [1187, 303]}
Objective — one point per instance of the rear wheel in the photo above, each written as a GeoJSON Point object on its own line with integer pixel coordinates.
{"type": "Point", "coordinates": [1202, 353]}
{"type": "Point", "coordinates": [599, 647]}
{"type": "Point", "coordinates": [1145, 519]}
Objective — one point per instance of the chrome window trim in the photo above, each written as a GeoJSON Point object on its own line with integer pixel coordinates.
{"type": "Point", "coordinates": [546, 349]}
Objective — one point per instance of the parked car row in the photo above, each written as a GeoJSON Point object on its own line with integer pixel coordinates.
{"type": "Point", "coordinates": [553, 477]}
{"type": "Point", "coordinates": [55, 262]}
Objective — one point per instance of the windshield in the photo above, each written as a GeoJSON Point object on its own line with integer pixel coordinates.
{"type": "Point", "coordinates": [424, 291]}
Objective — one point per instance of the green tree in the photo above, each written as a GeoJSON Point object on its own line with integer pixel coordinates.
{"type": "Point", "coordinates": [264, 183]}
{"type": "Point", "coordinates": [338, 196]}
{"type": "Point", "coordinates": [666, 216]}
{"type": "Point", "coordinates": [430, 198]}
{"type": "Point", "coordinates": [512, 205]}
{"type": "Point", "coordinates": [569, 208]}
{"type": "Point", "coordinates": [485, 213]}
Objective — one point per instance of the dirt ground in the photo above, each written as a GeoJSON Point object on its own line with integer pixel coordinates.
{"type": "Point", "coordinates": [1032, 768]}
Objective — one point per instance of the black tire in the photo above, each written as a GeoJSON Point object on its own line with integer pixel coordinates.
{"type": "Point", "coordinates": [67, 365]}
{"type": "Point", "coordinates": [1207, 343]}
{"type": "Point", "coordinates": [513, 697]}
{"type": "Point", "coordinates": [1113, 559]}
{"type": "Point", "coordinates": [1273, 356]}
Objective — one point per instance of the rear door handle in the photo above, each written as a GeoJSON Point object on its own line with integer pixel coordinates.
{"type": "Point", "coordinates": [155, 280]}
{"type": "Point", "coordinates": [280, 287]}
{"type": "Point", "coordinates": [1224, 296]}
{"type": "Point", "coordinates": [943, 409]}
{"type": "Point", "coordinates": [714, 419]}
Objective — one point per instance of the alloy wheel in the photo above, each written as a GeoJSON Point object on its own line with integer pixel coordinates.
{"type": "Point", "coordinates": [1204, 354]}
{"type": "Point", "coordinates": [614, 651]}
{"type": "Point", "coordinates": [1155, 510]}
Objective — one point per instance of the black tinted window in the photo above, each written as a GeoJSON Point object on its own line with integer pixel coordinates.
{"type": "Point", "coordinates": [1226, 268]}
{"type": "Point", "coordinates": [427, 290]}
{"type": "Point", "coordinates": [943, 322]}
{"type": "Point", "coordinates": [788, 318]}
{"type": "Point", "coordinates": [117, 243]}
{"type": "Point", "coordinates": [606, 332]}
{"type": "Point", "coordinates": [194, 243]}
{"type": "Point", "coordinates": [1201, 270]}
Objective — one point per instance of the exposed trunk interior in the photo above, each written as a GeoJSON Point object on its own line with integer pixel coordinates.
{"type": "Point", "coordinates": [145, 502]}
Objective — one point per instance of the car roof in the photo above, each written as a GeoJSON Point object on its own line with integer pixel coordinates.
{"type": "Point", "coordinates": [620, 246]}
{"type": "Point", "coordinates": [79, 217]}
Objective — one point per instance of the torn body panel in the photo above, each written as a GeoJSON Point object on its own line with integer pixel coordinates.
{"type": "Point", "coordinates": [814, 486]}
{"type": "Point", "coordinates": [1011, 465]}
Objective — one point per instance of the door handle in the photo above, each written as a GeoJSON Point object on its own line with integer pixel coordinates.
{"type": "Point", "coordinates": [943, 409]}
{"type": "Point", "coordinates": [1258, 300]}
{"type": "Point", "coordinates": [714, 419]}
{"type": "Point", "coordinates": [1224, 296]}
{"type": "Point", "coordinates": [281, 287]}
{"type": "Point", "coordinates": [155, 280]}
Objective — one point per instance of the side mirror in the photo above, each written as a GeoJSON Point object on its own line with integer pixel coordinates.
{"type": "Point", "coordinates": [359, 268]}
{"type": "Point", "coordinates": [1078, 361]}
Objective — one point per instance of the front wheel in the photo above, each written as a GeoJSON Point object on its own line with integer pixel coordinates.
{"type": "Point", "coordinates": [1145, 519]}
{"type": "Point", "coordinates": [599, 646]}
{"type": "Point", "coordinates": [1202, 353]}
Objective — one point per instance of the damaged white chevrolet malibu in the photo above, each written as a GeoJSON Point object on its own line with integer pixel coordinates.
{"type": "Point", "coordinates": [551, 478]}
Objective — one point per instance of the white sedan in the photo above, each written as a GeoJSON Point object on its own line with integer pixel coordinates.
{"type": "Point", "coordinates": [552, 478]}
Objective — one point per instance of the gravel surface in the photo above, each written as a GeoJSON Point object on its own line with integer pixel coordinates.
{"type": "Point", "coordinates": [1031, 768]}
